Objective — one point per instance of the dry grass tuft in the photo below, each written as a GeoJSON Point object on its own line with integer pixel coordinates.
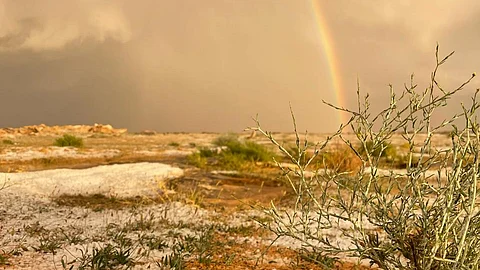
{"type": "Point", "coordinates": [341, 159]}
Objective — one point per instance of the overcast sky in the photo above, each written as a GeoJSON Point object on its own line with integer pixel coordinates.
{"type": "Point", "coordinates": [178, 65]}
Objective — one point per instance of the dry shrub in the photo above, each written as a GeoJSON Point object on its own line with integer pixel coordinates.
{"type": "Point", "coordinates": [424, 217]}
{"type": "Point", "coordinates": [341, 159]}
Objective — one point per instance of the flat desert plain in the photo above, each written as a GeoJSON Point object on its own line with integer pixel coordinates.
{"type": "Point", "coordinates": [137, 201]}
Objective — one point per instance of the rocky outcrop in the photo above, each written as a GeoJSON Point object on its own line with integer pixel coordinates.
{"type": "Point", "coordinates": [43, 129]}
{"type": "Point", "coordinates": [99, 128]}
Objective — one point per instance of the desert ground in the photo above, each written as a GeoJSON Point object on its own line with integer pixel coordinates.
{"type": "Point", "coordinates": [137, 201]}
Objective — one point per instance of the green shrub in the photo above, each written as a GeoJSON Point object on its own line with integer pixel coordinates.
{"type": "Point", "coordinates": [174, 144]}
{"type": "Point", "coordinates": [231, 161]}
{"type": "Point", "coordinates": [226, 140]}
{"type": "Point", "coordinates": [68, 140]}
{"type": "Point", "coordinates": [9, 142]}
{"type": "Point", "coordinates": [232, 154]}
{"type": "Point", "coordinates": [4, 259]}
{"type": "Point", "coordinates": [206, 152]}
{"type": "Point", "coordinates": [245, 150]}
{"type": "Point", "coordinates": [197, 160]}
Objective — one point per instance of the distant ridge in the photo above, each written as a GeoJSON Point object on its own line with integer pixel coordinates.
{"type": "Point", "coordinates": [55, 130]}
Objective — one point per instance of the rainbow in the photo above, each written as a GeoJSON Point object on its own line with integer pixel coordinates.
{"type": "Point", "coordinates": [328, 47]}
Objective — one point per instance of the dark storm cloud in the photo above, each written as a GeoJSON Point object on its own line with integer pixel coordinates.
{"type": "Point", "coordinates": [64, 63]}
{"type": "Point", "coordinates": [87, 86]}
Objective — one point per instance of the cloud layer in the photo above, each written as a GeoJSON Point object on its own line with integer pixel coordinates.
{"type": "Point", "coordinates": [53, 24]}
{"type": "Point", "coordinates": [189, 65]}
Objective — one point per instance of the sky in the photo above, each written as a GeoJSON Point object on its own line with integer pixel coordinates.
{"type": "Point", "coordinates": [213, 65]}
